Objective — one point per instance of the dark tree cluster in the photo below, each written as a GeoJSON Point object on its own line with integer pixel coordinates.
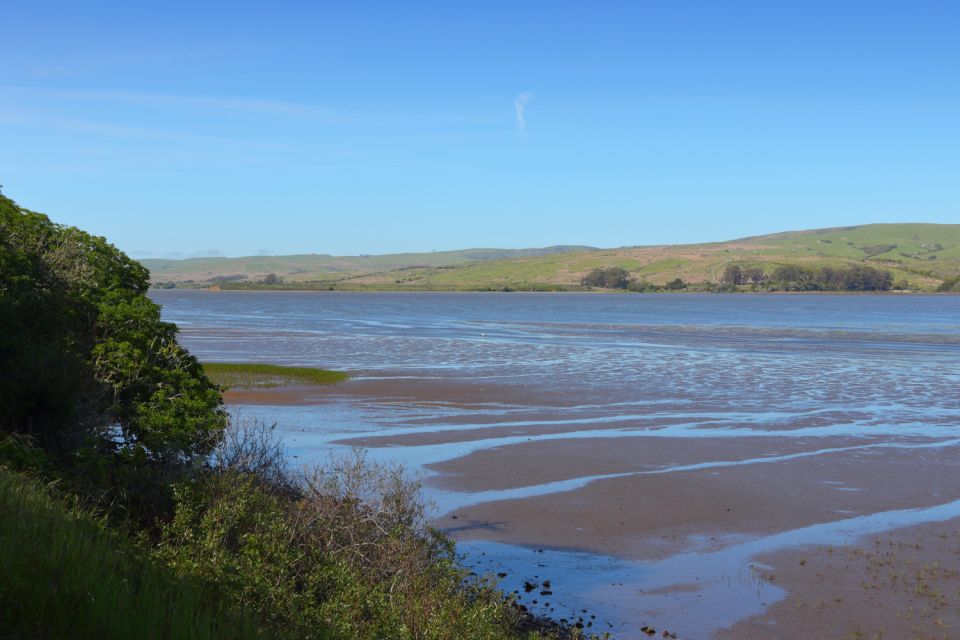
{"type": "Point", "coordinates": [607, 278]}
{"type": "Point", "coordinates": [735, 275]}
{"type": "Point", "coordinates": [854, 278]}
{"type": "Point", "coordinates": [619, 278]}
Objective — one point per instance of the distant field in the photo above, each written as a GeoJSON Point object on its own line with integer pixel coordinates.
{"type": "Point", "coordinates": [922, 255]}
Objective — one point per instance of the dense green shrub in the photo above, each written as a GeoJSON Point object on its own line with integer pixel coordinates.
{"type": "Point", "coordinates": [88, 368]}
{"type": "Point", "coordinates": [607, 278]}
{"type": "Point", "coordinates": [853, 278]}
{"type": "Point", "coordinates": [677, 284]}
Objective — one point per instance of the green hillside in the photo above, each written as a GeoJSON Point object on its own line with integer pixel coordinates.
{"type": "Point", "coordinates": [313, 266]}
{"type": "Point", "coordinates": [921, 255]}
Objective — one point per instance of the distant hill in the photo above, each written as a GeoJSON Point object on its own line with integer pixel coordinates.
{"type": "Point", "coordinates": [322, 266]}
{"type": "Point", "coordinates": [923, 255]}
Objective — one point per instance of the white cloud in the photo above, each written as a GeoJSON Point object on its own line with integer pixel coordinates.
{"type": "Point", "coordinates": [520, 106]}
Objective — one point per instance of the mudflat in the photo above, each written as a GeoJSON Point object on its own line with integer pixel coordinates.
{"type": "Point", "coordinates": [662, 462]}
{"type": "Point", "coordinates": [901, 584]}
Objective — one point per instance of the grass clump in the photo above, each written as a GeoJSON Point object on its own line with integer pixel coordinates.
{"type": "Point", "coordinates": [65, 575]}
{"type": "Point", "coordinates": [239, 375]}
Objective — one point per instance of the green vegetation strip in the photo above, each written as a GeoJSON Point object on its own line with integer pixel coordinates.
{"type": "Point", "coordinates": [65, 576]}
{"type": "Point", "coordinates": [235, 375]}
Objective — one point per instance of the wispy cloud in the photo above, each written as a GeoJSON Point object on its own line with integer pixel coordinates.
{"type": "Point", "coordinates": [520, 106]}
{"type": "Point", "coordinates": [355, 117]}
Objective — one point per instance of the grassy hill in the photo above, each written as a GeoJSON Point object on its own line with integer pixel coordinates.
{"type": "Point", "coordinates": [322, 266]}
{"type": "Point", "coordinates": [924, 255]}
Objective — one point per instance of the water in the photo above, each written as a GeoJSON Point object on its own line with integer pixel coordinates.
{"type": "Point", "coordinates": [574, 399]}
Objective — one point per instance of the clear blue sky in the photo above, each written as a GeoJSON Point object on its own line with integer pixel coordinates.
{"type": "Point", "coordinates": [351, 127]}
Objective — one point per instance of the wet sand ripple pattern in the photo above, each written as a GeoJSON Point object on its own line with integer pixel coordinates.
{"type": "Point", "coordinates": [672, 438]}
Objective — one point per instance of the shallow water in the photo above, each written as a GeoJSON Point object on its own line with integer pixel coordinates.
{"type": "Point", "coordinates": [440, 379]}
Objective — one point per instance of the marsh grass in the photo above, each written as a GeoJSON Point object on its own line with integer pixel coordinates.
{"type": "Point", "coordinates": [238, 375]}
{"type": "Point", "coordinates": [66, 576]}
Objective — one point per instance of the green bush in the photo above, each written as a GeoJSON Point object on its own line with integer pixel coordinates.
{"type": "Point", "coordinates": [343, 552]}
{"type": "Point", "coordinates": [90, 371]}
{"type": "Point", "coordinates": [608, 278]}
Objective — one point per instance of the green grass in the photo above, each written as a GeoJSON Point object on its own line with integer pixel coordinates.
{"type": "Point", "coordinates": [62, 575]}
{"type": "Point", "coordinates": [237, 375]}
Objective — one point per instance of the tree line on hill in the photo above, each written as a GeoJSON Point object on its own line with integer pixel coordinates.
{"type": "Point", "coordinates": [802, 278]}
{"type": "Point", "coordinates": [782, 278]}
{"type": "Point", "coordinates": [620, 278]}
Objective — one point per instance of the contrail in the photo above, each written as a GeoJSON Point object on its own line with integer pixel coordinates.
{"type": "Point", "coordinates": [520, 106]}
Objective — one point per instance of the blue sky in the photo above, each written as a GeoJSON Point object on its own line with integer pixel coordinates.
{"type": "Point", "coordinates": [245, 128]}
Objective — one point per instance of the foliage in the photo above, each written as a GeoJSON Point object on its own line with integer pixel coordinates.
{"type": "Point", "coordinates": [247, 375]}
{"type": "Point", "coordinates": [88, 367]}
{"type": "Point", "coordinates": [642, 286]}
{"type": "Point", "coordinates": [735, 275]}
{"type": "Point", "coordinates": [755, 275]}
{"type": "Point", "coordinates": [732, 275]}
{"type": "Point", "coordinates": [950, 285]}
{"type": "Point", "coordinates": [341, 551]}
{"type": "Point", "coordinates": [676, 285]}
{"type": "Point", "coordinates": [66, 576]}
{"type": "Point", "coordinates": [607, 278]}
{"type": "Point", "coordinates": [854, 278]}
{"type": "Point", "coordinates": [103, 403]}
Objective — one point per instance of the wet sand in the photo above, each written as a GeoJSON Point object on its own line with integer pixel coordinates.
{"type": "Point", "coordinates": [902, 584]}
{"type": "Point", "coordinates": [648, 456]}
{"type": "Point", "coordinates": [655, 515]}
{"type": "Point", "coordinates": [647, 496]}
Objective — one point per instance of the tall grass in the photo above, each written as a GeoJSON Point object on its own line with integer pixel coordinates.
{"type": "Point", "coordinates": [237, 375]}
{"type": "Point", "coordinates": [63, 575]}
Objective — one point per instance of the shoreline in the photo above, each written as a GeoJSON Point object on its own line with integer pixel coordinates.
{"type": "Point", "coordinates": [563, 292]}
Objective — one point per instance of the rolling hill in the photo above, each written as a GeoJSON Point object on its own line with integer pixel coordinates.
{"type": "Point", "coordinates": [924, 255]}
{"type": "Point", "coordinates": [322, 266]}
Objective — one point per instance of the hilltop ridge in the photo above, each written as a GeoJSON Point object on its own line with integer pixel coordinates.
{"type": "Point", "coordinates": [919, 254]}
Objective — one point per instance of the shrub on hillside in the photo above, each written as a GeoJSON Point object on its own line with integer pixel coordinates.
{"type": "Point", "coordinates": [676, 284]}
{"type": "Point", "coordinates": [950, 285]}
{"type": "Point", "coordinates": [607, 278]}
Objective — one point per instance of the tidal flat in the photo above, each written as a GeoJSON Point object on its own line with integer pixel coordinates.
{"type": "Point", "coordinates": [661, 461]}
